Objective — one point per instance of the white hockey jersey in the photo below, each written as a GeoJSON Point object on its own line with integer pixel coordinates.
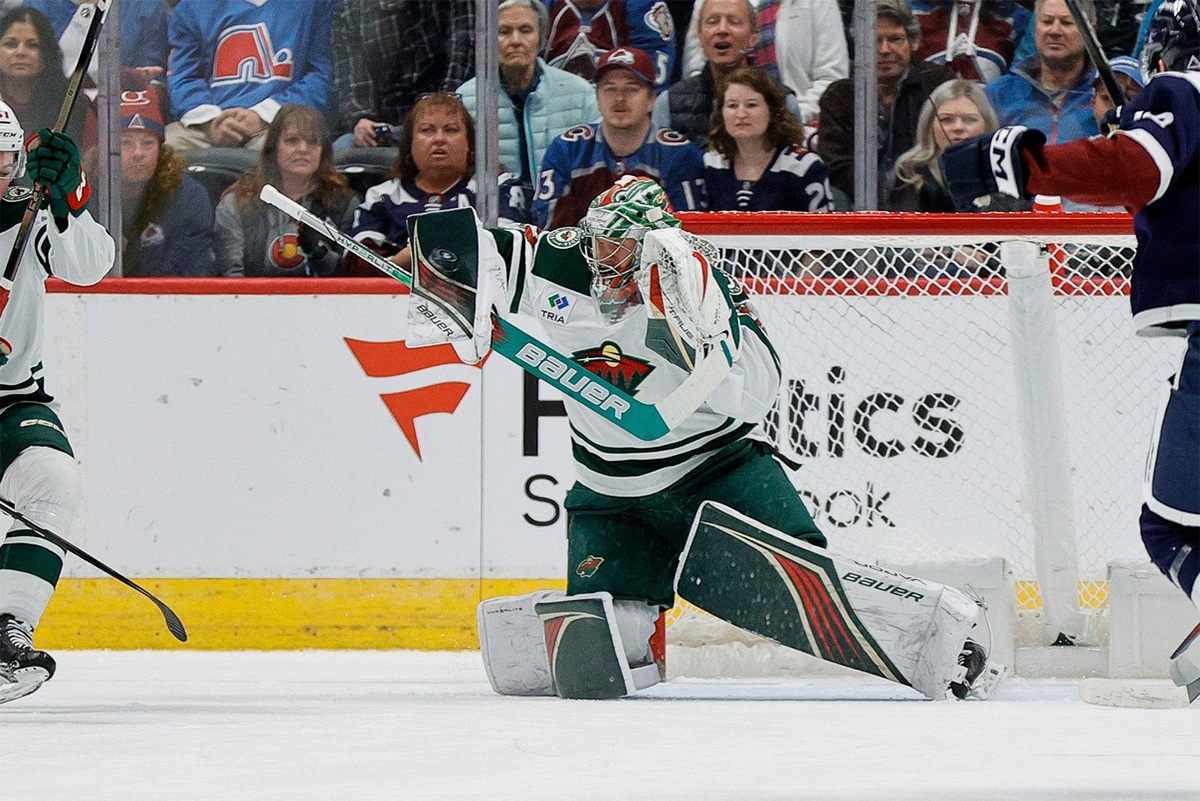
{"type": "Point", "coordinates": [80, 255]}
{"type": "Point", "coordinates": [548, 280]}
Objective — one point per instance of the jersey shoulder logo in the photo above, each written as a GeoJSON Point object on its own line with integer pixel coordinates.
{"type": "Point", "coordinates": [659, 20]}
{"type": "Point", "coordinates": [670, 137]}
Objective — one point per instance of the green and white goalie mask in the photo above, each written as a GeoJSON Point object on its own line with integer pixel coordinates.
{"type": "Point", "coordinates": [614, 226]}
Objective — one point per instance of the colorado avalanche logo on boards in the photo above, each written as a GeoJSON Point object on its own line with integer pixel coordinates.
{"type": "Point", "coordinates": [244, 54]}
{"type": "Point", "coordinates": [286, 253]}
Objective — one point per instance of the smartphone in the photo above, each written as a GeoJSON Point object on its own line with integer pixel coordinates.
{"type": "Point", "coordinates": [383, 134]}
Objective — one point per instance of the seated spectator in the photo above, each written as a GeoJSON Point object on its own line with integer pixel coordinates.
{"type": "Point", "coordinates": [977, 40]}
{"type": "Point", "coordinates": [1052, 90]}
{"type": "Point", "coordinates": [1128, 73]}
{"type": "Point", "coordinates": [387, 53]}
{"type": "Point", "coordinates": [166, 214]}
{"type": "Point", "coordinates": [1120, 27]}
{"type": "Point", "coordinates": [254, 239]}
{"type": "Point", "coordinates": [802, 43]}
{"type": "Point", "coordinates": [434, 170]}
{"type": "Point", "coordinates": [235, 63]}
{"type": "Point", "coordinates": [143, 26]}
{"type": "Point", "coordinates": [32, 82]}
{"type": "Point", "coordinates": [956, 110]}
{"type": "Point", "coordinates": [588, 159]}
{"type": "Point", "coordinates": [727, 34]}
{"type": "Point", "coordinates": [582, 31]}
{"type": "Point", "coordinates": [903, 87]}
{"type": "Point", "coordinates": [755, 160]}
{"type": "Point", "coordinates": [536, 102]}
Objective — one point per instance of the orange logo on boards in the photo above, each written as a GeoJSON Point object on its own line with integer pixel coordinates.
{"type": "Point", "coordinates": [390, 359]}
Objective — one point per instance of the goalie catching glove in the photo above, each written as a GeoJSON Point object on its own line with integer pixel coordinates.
{"type": "Point", "coordinates": [53, 162]}
{"type": "Point", "coordinates": [991, 164]}
{"type": "Point", "coordinates": [678, 283]}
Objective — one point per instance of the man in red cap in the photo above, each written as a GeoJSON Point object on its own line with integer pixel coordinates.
{"type": "Point", "coordinates": [587, 159]}
{"type": "Point", "coordinates": [166, 214]}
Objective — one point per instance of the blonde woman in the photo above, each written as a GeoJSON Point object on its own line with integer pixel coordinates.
{"type": "Point", "coordinates": [955, 111]}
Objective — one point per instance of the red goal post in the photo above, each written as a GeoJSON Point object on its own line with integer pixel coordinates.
{"type": "Point", "coordinates": [960, 387]}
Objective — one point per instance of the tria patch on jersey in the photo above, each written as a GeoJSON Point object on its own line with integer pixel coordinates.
{"type": "Point", "coordinates": [619, 369]}
{"type": "Point", "coordinates": [556, 308]}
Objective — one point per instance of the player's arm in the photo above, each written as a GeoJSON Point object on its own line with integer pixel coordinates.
{"type": "Point", "coordinates": [81, 251]}
{"type": "Point", "coordinates": [1116, 171]}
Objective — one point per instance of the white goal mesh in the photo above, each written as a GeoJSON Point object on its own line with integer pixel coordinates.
{"type": "Point", "coordinates": [925, 403]}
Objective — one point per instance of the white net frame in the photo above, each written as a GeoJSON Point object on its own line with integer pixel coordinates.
{"type": "Point", "coordinates": [898, 333]}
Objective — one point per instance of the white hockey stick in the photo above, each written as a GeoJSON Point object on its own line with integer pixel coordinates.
{"type": "Point", "coordinates": [646, 421]}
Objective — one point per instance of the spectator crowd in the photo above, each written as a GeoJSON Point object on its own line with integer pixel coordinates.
{"type": "Point", "coordinates": [364, 111]}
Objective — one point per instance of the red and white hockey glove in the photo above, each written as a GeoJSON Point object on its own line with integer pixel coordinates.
{"type": "Point", "coordinates": [677, 282]}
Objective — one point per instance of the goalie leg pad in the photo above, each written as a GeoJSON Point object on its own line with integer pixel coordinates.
{"type": "Point", "coordinates": [513, 645]}
{"type": "Point", "coordinates": [586, 653]}
{"type": "Point", "coordinates": [1185, 664]}
{"type": "Point", "coordinates": [905, 629]}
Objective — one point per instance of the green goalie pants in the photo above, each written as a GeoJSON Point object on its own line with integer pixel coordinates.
{"type": "Point", "coordinates": [630, 546]}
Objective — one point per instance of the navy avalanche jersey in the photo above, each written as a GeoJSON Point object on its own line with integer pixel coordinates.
{"type": "Point", "coordinates": [796, 181]}
{"type": "Point", "coordinates": [1165, 120]}
{"type": "Point", "coordinates": [579, 165]}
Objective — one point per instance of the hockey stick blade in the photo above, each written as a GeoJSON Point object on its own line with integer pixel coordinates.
{"type": "Point", "coordinates": [646, 421]}
{"type": "Point", "coordinates": [174, 624]}
{"type": "Point", "coordinates": [1135, 694]}
{"type": "Point", "coordinates": [74, 86]}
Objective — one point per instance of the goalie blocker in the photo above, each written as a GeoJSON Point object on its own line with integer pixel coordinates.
{"type": "Point", "coordinates": [905, 629]}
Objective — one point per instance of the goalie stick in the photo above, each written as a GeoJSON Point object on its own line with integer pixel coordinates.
{"type": "Point", "coordinates": [74, 86]}
{"type": "Point", "coordinates": [646, 421]}
{"type": "Point", "coordinates": [174, 624]}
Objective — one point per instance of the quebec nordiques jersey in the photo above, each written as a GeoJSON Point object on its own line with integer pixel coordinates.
{"type": "Point", "coordinates": [549, 283]}
{"type": "Point", "coordinates": [81, 255]}
{"type": "Point", "coordinates": [796, 181]}
{"type": "Point", "coordinates": [1165, 120]}
{"type": "Point", "coordinates": [579, 165]}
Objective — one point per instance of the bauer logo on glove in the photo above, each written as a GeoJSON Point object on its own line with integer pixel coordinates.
{"type": "Point", "coordinates": [54, 163]}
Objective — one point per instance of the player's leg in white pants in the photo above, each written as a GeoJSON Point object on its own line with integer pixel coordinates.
{"type": "Point", "coordinates": [43, 483]}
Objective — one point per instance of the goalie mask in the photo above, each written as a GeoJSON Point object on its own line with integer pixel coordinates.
{"type": "Point", "coordinates": [1174, 37]}
{"type": "Point", "coordinates": [12, 140]}
{"type": "Point", "coordinates": [615, 223]}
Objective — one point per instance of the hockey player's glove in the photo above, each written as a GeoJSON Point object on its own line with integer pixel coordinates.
{"type": "Point", "coordinates": [990, 164]}
{"type": "Point", "coordinates": [54, 163]}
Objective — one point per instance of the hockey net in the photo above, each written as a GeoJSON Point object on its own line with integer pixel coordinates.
{"type": "Point", "coordinates": [944, 402]}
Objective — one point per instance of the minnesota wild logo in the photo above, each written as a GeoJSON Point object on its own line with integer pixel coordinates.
{"type": "Point", "coordinates": [619, 369]}
{"type": "Point", "coordinates": [588, 567]}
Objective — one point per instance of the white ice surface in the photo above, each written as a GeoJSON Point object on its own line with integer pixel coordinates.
{"type": "Point", "coordinates": [175, 726]}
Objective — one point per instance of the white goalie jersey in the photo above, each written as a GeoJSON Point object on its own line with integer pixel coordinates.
{"type": "Point", "coordinates": [548, 281]}
{"type": "Point", "coordinates": [81, 255]}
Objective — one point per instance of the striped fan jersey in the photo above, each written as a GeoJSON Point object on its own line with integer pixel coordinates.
{"type": "Point", "coordinates": [79, 255]}
{"type": "Point", "coordinates": [549, 281]}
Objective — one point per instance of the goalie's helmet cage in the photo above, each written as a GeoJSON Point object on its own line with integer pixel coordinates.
{"type": "Point", "coordinates": [1173, 36]}
{"type": "Point", "coordinates": [12, 140]}
{"type": "Point", "coordinates": [613, 228]}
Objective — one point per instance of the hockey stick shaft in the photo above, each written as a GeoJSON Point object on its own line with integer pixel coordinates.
{"type": "Point", "coordinates": [74, 86]}
{"type": "Point", "coordinates": [646, 421]}
{"type": "Point", "coordinates": [174, 624]}
{"type": "Point", "coordinates": [1091, 43]}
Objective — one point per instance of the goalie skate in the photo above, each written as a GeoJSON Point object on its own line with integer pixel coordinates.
{"type": "Point", "coordinates": [22, 668]}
